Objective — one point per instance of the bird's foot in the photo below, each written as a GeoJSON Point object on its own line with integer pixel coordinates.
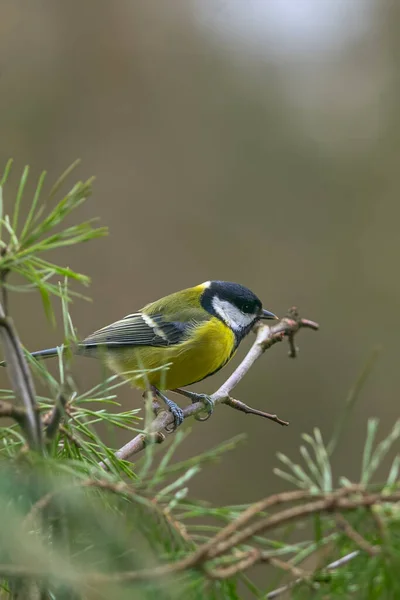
{"type": "Point", "coordinates": [174, 409]}
{"type": "Point", "coordinates": [206, 400]}
{"type": "Point", "coordinates": [193, 397]}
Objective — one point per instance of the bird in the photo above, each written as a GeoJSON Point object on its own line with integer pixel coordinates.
{"type": "Point", "coordinates": [194, 333]}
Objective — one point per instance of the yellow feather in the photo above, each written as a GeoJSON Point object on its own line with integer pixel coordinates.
{"type": "Point", "coordinates": [211, 345]}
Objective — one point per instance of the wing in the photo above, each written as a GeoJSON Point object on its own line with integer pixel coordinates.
{"type": "Point", "coordinates": [138, 329]}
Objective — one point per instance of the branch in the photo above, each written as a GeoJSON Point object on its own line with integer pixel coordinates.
{"type": "Point", "coordinates": [230, 531]}
{"type": "Point", "coordinates": [248, 410]}
{"type": "Point", "coordinates": [337, 502]}
{"type": "Point", "coordinates": [11, 411]}
{"type": "Point", "coordinates": [334, 501]}
{"type": "Point", "coordinates": [21, 381]}
{"type": "Point", "coordinates": [251, 558]}
{"type": "Point", "coordinates": [327, 504]}
{"type": "Point", "coordinates": [356, 537]}
{"type": "Point", "coordinates": [266, 337]}
{"type": "Point", "coordinates": [52, 421]}
{"type": "Point", "coordinates": [336, 564]}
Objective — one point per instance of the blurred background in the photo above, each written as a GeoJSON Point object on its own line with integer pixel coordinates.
{"type": "Point", "coordinates": [251, 141]}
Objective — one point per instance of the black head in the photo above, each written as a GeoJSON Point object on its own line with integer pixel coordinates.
{"type": "Point", "coordinates": [234, 304]}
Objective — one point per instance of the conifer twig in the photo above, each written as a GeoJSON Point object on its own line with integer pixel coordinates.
{"type": "Point", "coordinates": [266, 337]}
{"type": "Point", "coordinates": [336, 564]}
{"type": "Point", "coordinates": [356, 537]}
{"type": "Point", "coordinates": [21, 381]}
{"type": "Point", "coordinates": [10, 411]}
{"type": "Point", "coordinates": [338, 502]}
{"type": "Point", "coordinates": [53, 419]}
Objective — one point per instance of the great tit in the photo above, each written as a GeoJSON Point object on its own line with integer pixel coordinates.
{"type": "Point", "coordinates": [194, 332]}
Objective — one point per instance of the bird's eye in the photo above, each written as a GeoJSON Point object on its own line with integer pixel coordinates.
{"type": "Point", "coordinates": [246, 307]}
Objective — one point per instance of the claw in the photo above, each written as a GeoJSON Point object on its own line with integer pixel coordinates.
{"type": "Point", "coordinates": [178, 415]}
{"type": "Point", "coordinates": [208, 405]}
{"type": "Point", "coordinates": [206, 400]}
{"type": "Point", "coordinates": [174, 409]}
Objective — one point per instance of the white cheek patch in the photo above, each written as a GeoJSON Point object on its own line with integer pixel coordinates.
{"type": "Point", "coordinates": [231, 315]}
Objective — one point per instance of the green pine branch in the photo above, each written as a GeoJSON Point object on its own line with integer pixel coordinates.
{"type": "Point", "coordinates": [72, 529]}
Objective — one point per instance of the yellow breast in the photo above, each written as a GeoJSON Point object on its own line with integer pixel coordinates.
{"type": "Point", "coordinates": [211, 345]}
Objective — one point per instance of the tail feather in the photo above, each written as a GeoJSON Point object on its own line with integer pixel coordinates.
{"type": "Point", "coordinates": [48, 353]}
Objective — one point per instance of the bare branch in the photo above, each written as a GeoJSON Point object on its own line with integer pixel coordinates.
{"type": "Point", "coordinates": [248, 410]}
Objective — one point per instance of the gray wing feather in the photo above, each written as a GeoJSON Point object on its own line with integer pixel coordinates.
{"type": "Point", "coordinates": [137, 330]}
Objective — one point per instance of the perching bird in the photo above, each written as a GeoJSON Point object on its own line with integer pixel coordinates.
{"type": "Point", "coordinates": [195, 331]}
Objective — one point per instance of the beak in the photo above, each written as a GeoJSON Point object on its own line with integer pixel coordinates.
{"type": "Point", "coordinates": [266, 314]}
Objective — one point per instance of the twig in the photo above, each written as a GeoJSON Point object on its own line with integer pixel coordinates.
{"type": "Point", "coordinates": [337, 501]}
{"type": "Point", "coordinates": [70, 436]}
{"type": "Point", "coordinates": [21, 381]}
{"type": "Point", "coordinates": [248, 410]}
{"type": "Point", "coordinates": [266, 337]}
{"type": "Point", "coordinates": [3, 276]}
{"type": "Point", "coordinates": [331, 502]}
{"type": "Point", "coordinates": [294, 317]}
{"type": "Point", "coordinates": [11, 411]}
{"type": "Point", "coordinates": [327, 504]}
{"type": "Point", "coordinates": [53, 419]}
{"type": "Point", "coordinates": [356, 537]}
{"type": "Point", "coordinates": [251, 558]}
{"type": "Point", "coordinates": [232, 529]}
{"type": "Point", "coordinates": [246, 516]}
{"type": "Point", "coordinates": [336, 564]}
{"type": "Point", "coordinates": [246, 560]}
{"type": "Point", "coordinates": [380, 525]}
{"type": "Point", "coordinates": [286, 566]}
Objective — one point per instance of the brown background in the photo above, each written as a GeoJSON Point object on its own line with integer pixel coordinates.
{"type": "Point", "coordinates": [224, 150]}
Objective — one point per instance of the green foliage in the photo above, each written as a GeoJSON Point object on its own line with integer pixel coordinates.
{"type": "Point", "coordinates": [380, 526]}
{"type": "Point", "coordinates": [78, 522]}
{"type": "Point", "coordinates": [24, 241]}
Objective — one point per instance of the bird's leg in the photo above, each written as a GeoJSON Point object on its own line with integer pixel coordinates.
{"type": "Point", "coordinates": [173, 407]}
{"type": "Point", "coordinates": [206, 400]}
{"type": "Point", "coordinates": [155, 404]}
